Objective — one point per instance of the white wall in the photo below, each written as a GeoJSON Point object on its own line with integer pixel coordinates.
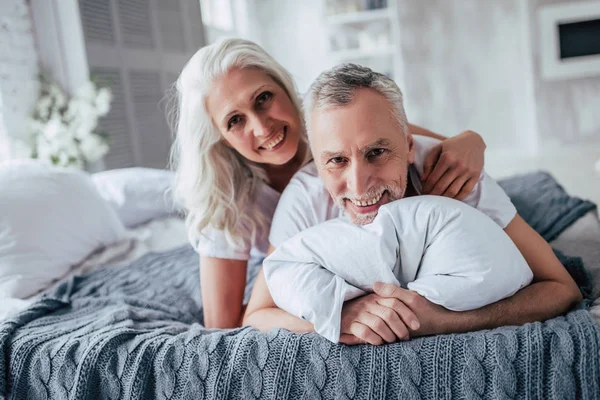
{"type": "Point", "coordinates": [567, 110]}
{"type": "Point", "coordinates": [466, 63]}
{"type": "Point", "coordinates": [465, 66]}
{"type": "Point", "coordinates": [18, 68]}
{"type": "Point", "coordinates": [295, 34]}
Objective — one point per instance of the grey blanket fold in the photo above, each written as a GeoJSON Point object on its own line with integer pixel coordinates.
{"type": "Point", "coordinates": [132, 332]}
{"type": "Point", "coordinates": [544, 204]}
{"type": "Point", "coordinates": [548, 209]}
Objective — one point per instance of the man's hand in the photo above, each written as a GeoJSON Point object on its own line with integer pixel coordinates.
{"type": "Point", "coordinates": [376, 320]}
{"type": "Point", "coordinates": [452, 168]}
{"type": "Point", "coordinates": [432, 317]}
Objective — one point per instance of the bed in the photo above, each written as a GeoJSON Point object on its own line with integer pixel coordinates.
{"type": "Point", "coordinates": [131, 327]}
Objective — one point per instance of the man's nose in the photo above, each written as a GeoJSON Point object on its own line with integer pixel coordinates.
{"type": "Point", "coordinates": [262, 126]}
{"type": "Point", "coordinates": [358, 179]}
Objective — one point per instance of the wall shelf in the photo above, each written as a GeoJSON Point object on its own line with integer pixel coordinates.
{"type": "Point", "coordinates": [360, 17]}
{"type": "Point", "coordinates": [369, 37]}
{"type": "Point", "coordinates": [354, 54]}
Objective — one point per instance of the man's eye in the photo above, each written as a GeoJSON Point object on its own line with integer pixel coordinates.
{"type": "Point", "coordinates": [236, 119]}
{"type": "Point", "coordinates": [375, 153]}
{"type": "Point", "coordinates": [263, 98]}
{"type": "Point", "coordinates": [336, 160]}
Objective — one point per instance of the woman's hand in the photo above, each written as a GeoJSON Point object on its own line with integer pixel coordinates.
{"type": "Point", "coordinates": [452, 168]}
{"type": "Point", "coordinates": [376, 320]}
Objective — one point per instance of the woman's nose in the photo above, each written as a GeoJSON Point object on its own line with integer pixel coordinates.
{"type": "Point", "coordinates": [262, 127]}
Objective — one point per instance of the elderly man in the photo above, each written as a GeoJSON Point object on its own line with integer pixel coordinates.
{"type": "Point", "coordinates": [364, 157]}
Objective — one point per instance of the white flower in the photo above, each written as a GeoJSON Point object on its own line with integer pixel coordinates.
{"type": "Point", "coordinates": [82, 118]}
{"type": "Point", "coordinates": [44, 151]}
{"type": "Point", "coordinates": [86, 92]}
{"type": "Point", "coordinates": [58, 95]}
{"type": "Point", "coordinates": [35, 127]}
{"type": "Point", "coordinates": [93, 148]}
{"type": "Point", "coordinates": [53, 129]}
{"type": "Point", "coordinates": [43, 106]}
{"type": "Point", "coordinates": [103, 101]}
{"type": "Point", "coordinates": [63, 131]}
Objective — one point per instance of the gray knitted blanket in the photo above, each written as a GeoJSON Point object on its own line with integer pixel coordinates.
{"type": "Point", "coordinates": [133, 333]}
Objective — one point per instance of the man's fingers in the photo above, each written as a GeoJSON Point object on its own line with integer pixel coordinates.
{"type": "Point", "coordinates": [365, 334]}
{"type": "Point", "coordinates": [349, 339]}
{"type": "Point", "coordinates": [388, 290]}
{"type": "Point", "coordinates": [377, 325]}
{"type": "Point", "coordinates": [393, 320]}
{"type": "Point", "coordinates": [408, 317]}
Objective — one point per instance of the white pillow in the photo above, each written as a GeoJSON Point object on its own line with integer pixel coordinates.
{"type": "Point", "coordinates": [445, 250]}
{"type": "Point", "coordinates": [51, 219]}
{"type": "Point", "coordinates": [138, 195]}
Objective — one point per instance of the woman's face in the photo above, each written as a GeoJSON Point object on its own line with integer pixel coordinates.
{"type": "Point", "coordinates": [255, 116]}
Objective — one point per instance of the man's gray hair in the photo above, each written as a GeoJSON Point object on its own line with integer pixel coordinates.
{"type": "Point", "coordinates": [337, 88]}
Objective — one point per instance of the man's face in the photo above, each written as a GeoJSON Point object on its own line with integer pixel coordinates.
{"type": "Point", "coordinates": [362, 154]}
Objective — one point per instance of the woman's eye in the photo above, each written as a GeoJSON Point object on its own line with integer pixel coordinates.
{"type": "Point", "coordinates": [264, 97]}
{"type": "Point", "coordinates": [236, 119]}
{"type": "Point", "coordinates": [336, 160]}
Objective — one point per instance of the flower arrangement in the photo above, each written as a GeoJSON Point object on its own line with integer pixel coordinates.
{"type": "Point", "coordinates": [63, 127]}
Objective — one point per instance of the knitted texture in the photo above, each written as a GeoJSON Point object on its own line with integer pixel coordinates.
{"type": "Point", "coordinates": [110, 335]}
{"type": "Point", "coordinates": [132, 333]}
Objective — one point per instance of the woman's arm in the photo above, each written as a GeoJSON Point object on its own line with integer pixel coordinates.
{"type": "Point", "coordinates": [263, 314]}
{"type": "Point", "coordinates": [452, 167]}
{"type": "Point", "coordinates": [222, 282]}
{"type": "Point", "coordinates": [417, 130]}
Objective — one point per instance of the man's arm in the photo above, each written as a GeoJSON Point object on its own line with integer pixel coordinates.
{"type": "Point", "coordinates": [367, 319]}
{"type": "Point", "coordinates": [552, 293]}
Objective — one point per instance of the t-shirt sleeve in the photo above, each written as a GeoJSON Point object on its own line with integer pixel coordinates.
{"type": "Point", "coordinates": [293, 214]}
{"type": "Point", "coordinates": [213, 243]}
{"type": "Point", "coordinates": [488, 197]}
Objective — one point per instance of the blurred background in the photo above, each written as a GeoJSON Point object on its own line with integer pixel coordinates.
{"type": "Point", "coordinates": [525, 74]}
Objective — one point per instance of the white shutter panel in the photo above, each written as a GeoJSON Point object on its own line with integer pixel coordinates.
{"type": "Point", "coordinates": [97, 21]}
{"type": "Point", "coordinates": [139, 46]}
{"type": "Point", "coordinates": [154, 135]}
{"type": "Point", "coordinates": [135, 23]}
{"type": "Point", "coordinates": [115, 123]}
{"type": "Point", "coordinates": [170, 27]}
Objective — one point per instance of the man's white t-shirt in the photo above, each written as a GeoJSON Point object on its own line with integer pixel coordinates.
{"type": "Point", "coordinates": [305, 202]}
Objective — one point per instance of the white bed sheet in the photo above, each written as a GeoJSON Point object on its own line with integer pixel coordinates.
{"type": "Point", "coordinates": [159, 235]}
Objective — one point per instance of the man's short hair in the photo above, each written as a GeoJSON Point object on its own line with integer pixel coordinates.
{"type": "Point", "coordinates": [337, 87]}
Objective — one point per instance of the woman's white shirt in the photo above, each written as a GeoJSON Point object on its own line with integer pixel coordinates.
{"type": "Point", "coordinates": [213, 243]}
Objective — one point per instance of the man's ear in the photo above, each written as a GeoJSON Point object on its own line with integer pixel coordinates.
{"type": "Point", "coordinates": [411, 147]}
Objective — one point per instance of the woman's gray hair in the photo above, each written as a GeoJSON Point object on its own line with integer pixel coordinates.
{"type": "Point", "coordinates": [216, 185]}
{"type": "Point", "coordinates": [337, 87]}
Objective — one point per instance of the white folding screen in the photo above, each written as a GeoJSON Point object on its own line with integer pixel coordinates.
{"type": "Point", "coordinates": [138, 47]}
